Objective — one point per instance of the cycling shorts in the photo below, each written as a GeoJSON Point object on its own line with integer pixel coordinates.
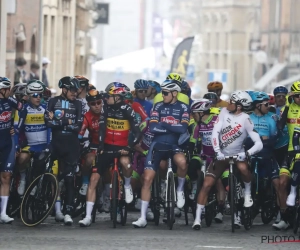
{"type": "Point", "coordinates": [155, 156]}
{"type": "Point", "coordinates": [105, 161]}
{"type": "Point", "coordinates": [289, 163]}
{"type": "Point", "coordinates": [34, 148]}
{"type": "Point", "coordinates": [217, 168]}
{"type": "Point", "coordinates": [7, 156]}
{"type": "Point", "coordinates": [138, 164]}
{"type": "Point", "coordinates": [281, 155]}
{"type": "Point", "coordinates": [266, 168]}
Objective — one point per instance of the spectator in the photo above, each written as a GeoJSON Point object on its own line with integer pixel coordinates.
{"type": "Point", "coordinates": [45, 62]}
{"type": "Point", "coordinates": [20, 73]}
{"type": "Point", "coordinates": [34, 71]}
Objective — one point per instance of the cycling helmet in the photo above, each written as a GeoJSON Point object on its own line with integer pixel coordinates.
{"type": "Point", "coordinates": [280, 89]}
{"type": "Point", "coordinates": [141, 84]}
{"type": "Point", "coordinates": [155, 85]}
{"type": "Point", "coordinates": [295, 88]}
{"type": "Point", "coordinates": [47, 94]}
{"type": "Point", "coordinates": [68, 83]}
{"type": "Point", "coordinates": [241, 98]}
{"type": "Point", "coordinates": [128, 96]}
{"type": "Point", "coordinates": [91, 86]}
{"type": "Point", "coordinates": [213, 86]}
{"type": "Point", "coordinates": [201, 105]}
{"type": "Point", "coordinates": [83, 81]}
{"type": "Point", "coordinates": [34, 86]}
{"type": "Point", "coordinates": [19, 89]}
{"type": "Point", "coordinates": [271, 99]}
{"type": "Point", "coordinates": [171, 85]}
{"type": "Point", "coordinates": [259, 96]}
{"type": "Point", "coordinates": [174, 76]}
{"type": "Point", "coordinates": [211, 96]}
{"type": "Point", "coordinates": [116, 88]}
{"type": "Point", "coordinates": [93, 95]}
{"type": "Point", "coordinates": [4, 83]}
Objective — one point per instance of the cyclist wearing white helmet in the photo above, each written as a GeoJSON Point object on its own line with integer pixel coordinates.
{"type": "Point", "coordinates": [30, 121]}
{"type": "Point", "coordinates": [231, 128]}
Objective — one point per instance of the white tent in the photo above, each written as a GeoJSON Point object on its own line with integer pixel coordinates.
{"type": "Point", "coordinates": [124, 68]}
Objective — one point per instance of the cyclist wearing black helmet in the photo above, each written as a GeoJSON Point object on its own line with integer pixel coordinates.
{"type": "Point", "coordinates": [64, 117]}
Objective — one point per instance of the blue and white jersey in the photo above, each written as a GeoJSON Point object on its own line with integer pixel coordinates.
{"type": "Point", "coordinates": [283, 136]}
{"type": "Point", "coordinates": [32, 122]}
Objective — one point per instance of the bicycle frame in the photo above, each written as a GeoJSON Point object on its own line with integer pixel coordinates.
{"type": "Point", "coordinates": [169, 170]}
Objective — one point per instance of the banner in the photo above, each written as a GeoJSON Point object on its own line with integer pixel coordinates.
{"type": "Point", "coordinates": [181, 56]}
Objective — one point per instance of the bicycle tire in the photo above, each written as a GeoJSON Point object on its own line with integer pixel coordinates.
{"type": "Point", "coordinates": [25, 205]}
{"type": "Point", "coordinates": [187, 203]}
{"type": "Point", "coordinates": [296, 221]}
{"type": "Point", "coordinates": [170, 200]}
{"type": "Point", "coordinates": [267, 212]}
{"type": "Point", "coordinates": [114, 198]}
{"type": "Point", "coordinates": [232, 199]}
{"type": "Point", "coordinates": [200, 181]}
{"type": "Point", "coordinates": [14, 201]}
{"type": "Point", "coordinates": [210, 210]}
{"type": "Point", "coordinates": [123, 211]}
{"type": "Point", "coordinates": [155, 200]}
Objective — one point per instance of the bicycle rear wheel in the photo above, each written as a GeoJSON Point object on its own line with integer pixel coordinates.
{"type": "Point", "coordinates": [170, 200]}
{"type": "Point", "coordinates": [123, 212]}
{"type": "Point", "coordinates": [39, 200]}
{"type": "Point", "coordinates": [155, 199]}
{"type": "Point", "coordinates": [14, 201]}
{"type": "Point", "coordinates": [114, 198]}
{"type": "Point", "coordinates": [232, 199]}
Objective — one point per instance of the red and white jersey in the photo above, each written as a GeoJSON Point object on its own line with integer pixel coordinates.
{"type": "Point", "coordinates": [231, 130]}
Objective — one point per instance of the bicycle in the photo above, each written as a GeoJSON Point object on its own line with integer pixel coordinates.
{"type": "Point", "coordinates": [40, 196]}
{"type": "Point", "coordinates": [117, 193]}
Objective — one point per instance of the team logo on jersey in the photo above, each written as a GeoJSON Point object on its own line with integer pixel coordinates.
{"type": "Point", "coordinates": [5, 116]}
{"type": "Point", "coordinates": [170, 120]}
{"type": "Point", "coordinates": [154, 113]}
{"type": "Point", "coordinates": [58, 114]}
{"type": "Point", "coordinates": [185, 114]}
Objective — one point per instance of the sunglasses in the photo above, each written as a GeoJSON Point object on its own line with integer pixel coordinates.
{"type": "Point", "coordinates": [94, 103]}
{"type": "Point", "coordinates": [36, 95]}
{"type": "Point", "coordinates": [280, 96]}
{"type": "Point", "coordinates": [141, 91]}
{"type": "Point", "coordinates": [296, 95]}
{"type": "Point", "coordinates": [265, 104]}
{"type": "Point", "coordinates": [165, 93]}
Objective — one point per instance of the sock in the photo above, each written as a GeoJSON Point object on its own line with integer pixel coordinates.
{"type": "Point", "coordinates": [247, 187]}
{"type": "Point", "coordinates": [199, 212]}
{"type": "Point", "coordinates": [107, 190]}
{"type": "Point", "coordinates": [127, 181]}
{"type": "Point", "coordinates": [180, 184]}
{"type": "Point", "coordinates": [58, 207]}
{"type": "Point", "coordinates": [4, 200]}
{"type": "Point", "coordinates": [293, 190]}
{"type": "Point", "coordinates": [89, 209]}
{"type": "Point", "coordinates": [144, 208]}
{"type": "Point", "coordinates": [22, 175]}
{"type": "Point", "coordinates": [85, 179]}
{"type": "Point", "coordinates": [221, 208]}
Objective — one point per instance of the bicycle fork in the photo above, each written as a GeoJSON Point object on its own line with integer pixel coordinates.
{"type": "Point", "coordinates": [167, 181]}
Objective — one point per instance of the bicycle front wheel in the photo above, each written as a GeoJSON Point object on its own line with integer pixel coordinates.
{"type": "Point", "coordinates": [114, 198]}
{"type": "Point", "coordinates": [170, 200]}
{"type": "Point", "coordinates": [39, 200]}
{"type": "Point", "coordinates": [232, 199]}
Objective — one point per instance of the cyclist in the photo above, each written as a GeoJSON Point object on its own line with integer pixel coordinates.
{"type": "Point", "coordinates": [19, 92]}
{"type": "Point", "coordinates": [46, 95]}
{"type": "Point", "coordinates": [169, 123]}
{"type": "Point", "coordinates": [290, 117]}
{"type": "Point", "coordinates": [141, 86]}
{"type": "Point", "coordinates": [30, 120]}
{"type": "Point", "coordinates": [140, 113]}
{"type": "Point", "coordinates": [116, 121]}
{"type": "Point", "coordinates": [229, 132]}
{"type": "Point", "coordinates": [64, 117]}
{"type": "Point", "coordinates": [153, 90]}
{"type": "Point", "coordinates": [214, 99]}
{"type": "Point", "coordinates": [84, 139]}
{"type": "Point", "coordinates": [281, 147]}
{"type": "Point", "coordinates": [265, 125]}
{"type": "Point", "coordinates": [186, 90]}
{"type": "Point", "coordinates": [91, 123]}
{"type": "Point", "coordinates": [7, 150]}
{"type": "Point", "coordinates": [217, 88]}
{"type": "Point", "coordinates": [174, 76]}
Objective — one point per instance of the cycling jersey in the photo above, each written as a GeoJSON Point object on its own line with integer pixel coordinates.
{"type": "Point", "coordinates": [283, 136]}
{"type": "Point", "coordinates": [91, 123]}
{"type": "Point", "coordinates": [147, 135]}
{"type": "Point", "coordinates": [169, 121]}
{"type": "Point", "coordinates": [63, 112]}
{"type": "Point", "coordinates": [31, 120]}
{"type": "Point", "coordinates": [85, 108]}
{"type": "Point", "coordinates": [180, 97]}
{"type": "Point", "coordinates": [116, 121]}
{"type": "Point", "coordinates": [6, 106]}
{"type": "Point", "coordinates": [145, 104]}
{"type": "Point", "coordinates": [138, 109]}
{"type": "Point", "coordinates": [265, 126]}
{"type": "Point", "coordinates": [204, 131]}
{"type": "Point", "coordinates": [231, 130]}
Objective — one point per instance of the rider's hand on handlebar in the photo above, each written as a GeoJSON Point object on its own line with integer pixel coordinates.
{"type": "Point", "coordinates": [241, 156]}
{"type": "Point", "coordinates": [220, 156]}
